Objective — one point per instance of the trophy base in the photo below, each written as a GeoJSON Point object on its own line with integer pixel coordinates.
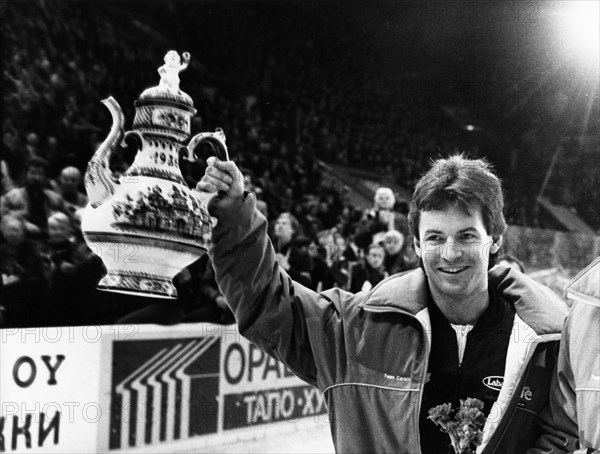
{"type": "Point", "coordinates": [138, 283]}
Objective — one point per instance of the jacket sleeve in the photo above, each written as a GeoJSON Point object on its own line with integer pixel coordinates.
{"type": "Point", "coordinates": [288, 321]}
{"type": "Point", "coordinates": [558, 420]}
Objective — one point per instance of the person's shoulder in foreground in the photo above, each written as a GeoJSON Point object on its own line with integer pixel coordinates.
{"type": "Point", "coordinates": [571, 421]}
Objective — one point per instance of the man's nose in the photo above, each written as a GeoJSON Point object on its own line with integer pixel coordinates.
{"type": "Point", "coordinates": [451, 251]}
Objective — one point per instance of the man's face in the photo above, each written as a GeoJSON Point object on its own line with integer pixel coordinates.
{"type": "Point", "coordinates": [455, 249]}
{"type": "Point", "coordinates": [375, 257]}
{"type": "Point", "coordinates": [283, 227]}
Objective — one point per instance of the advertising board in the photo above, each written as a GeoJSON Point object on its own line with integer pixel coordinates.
{"type": "Point", "coordinates": [137, 388]}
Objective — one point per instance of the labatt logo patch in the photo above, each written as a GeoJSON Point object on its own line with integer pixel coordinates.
{"type": "Point", "coordinates": [494, 382]}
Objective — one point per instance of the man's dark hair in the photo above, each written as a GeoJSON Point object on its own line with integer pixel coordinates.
{"type": "Point", "coordinates": [469, 184]}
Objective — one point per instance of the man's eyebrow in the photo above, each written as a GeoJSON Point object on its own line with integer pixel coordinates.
{"type": "Point", "coordinates": [467, 229]}
{"type": "Point", "coordinates": [428, 231]}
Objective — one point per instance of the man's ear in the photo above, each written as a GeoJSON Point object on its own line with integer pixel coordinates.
{"type": "Point", "coordinates": [496, 244]}
{"type": "Point", "coordinates": [417, 245]}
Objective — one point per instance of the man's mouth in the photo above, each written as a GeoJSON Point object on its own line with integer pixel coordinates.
{"type": "Point", "coordinates": [452, 269]}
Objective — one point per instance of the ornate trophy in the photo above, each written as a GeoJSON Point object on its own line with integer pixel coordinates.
{"type": "Point", "coordinates": [148, 225]}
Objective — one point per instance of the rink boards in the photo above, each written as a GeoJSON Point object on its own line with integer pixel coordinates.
{"type": "Point", "coordinates": [145, 388]}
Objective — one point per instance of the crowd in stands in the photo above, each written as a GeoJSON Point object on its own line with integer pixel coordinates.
{"type": "Point", "coordinates": [49, 274]}
{"type": "Point", "coordinates": [286, 97]}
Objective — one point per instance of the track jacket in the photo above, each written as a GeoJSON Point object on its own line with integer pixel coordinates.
{"type": "Point", "coordinates": [368, 352]}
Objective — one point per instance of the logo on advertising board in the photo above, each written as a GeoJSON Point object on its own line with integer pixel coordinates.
{"type": "Point", "coordinates": [163, 390]}
{"type": "Point", "coordinates": [257, 389]}
{"type": "Point", "coordinates": [272, 405]}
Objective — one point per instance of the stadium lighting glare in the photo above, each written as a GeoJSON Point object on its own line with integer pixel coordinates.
{"type": "Point", "coordinates": [580, 23]}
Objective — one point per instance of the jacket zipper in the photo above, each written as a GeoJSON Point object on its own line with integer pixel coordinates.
{"type": "Point", "coordinates": [426, 368]}
{"type": "Point", "coordinates": [458, 383]}
{"type": "Point", "coordinates": [459, 372]}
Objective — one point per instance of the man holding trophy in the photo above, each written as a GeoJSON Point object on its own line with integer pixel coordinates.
{"type": "Point", "coordinates": [456, 353]}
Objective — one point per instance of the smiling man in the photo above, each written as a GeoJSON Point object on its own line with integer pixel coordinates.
{"type": "Point", "coordinates": [455, 328]}
{"type": "Point", "coordinates": [457, 222]}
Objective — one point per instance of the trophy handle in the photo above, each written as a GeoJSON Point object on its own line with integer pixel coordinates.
{"type": "Point", "coordinates": [216, 139]}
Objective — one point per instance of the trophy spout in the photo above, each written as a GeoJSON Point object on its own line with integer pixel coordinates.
{"type": "Point", "coordinates": [99, 181]}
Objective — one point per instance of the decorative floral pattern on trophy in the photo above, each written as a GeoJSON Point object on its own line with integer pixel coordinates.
{"type": "Point", "coordinates": [148, 225]}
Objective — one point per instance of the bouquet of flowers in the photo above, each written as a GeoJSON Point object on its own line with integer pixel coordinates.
{"type": "Point", "coordinates": [464, 426]}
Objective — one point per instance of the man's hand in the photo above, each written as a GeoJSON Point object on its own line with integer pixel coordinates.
{"type": "Point", "coordinates": [222, 176]}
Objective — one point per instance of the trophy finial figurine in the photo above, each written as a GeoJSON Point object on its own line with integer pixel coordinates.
{"type": "Point", "coordinates": [169, 72]}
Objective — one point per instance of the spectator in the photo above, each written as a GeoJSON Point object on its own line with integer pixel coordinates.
{"type": "Point", "coordinates": [5, 178]}
{"type": "Point", "coordinates": [397, 258]}
{"type": "Point", "coordinates": [66, 281]}
{"type": "Point", "coordinates": [67, 186]}
{"type": "Point", "coordinates": [32, 146]}
{"type": "Point", "coordinates": [330, 268]}
{"type": "Point", "coordinates": [290, 248]}
{"type": "Point", "coordinates": [207, 303]}
{"type": "Point", "coordinates": [60, 249]}
{"type": "Point", "coordinates": [23, 281]}
{"type": "Point", "coordinates": [341, 250]}
{"type": "Point", "coordinates": [368, 273]}
{"type": "Point", "coordinates": [34, 201]}
{"type": "Point", "coordinates": [351, 251]}
{"type": "Point", "coordinates": [83, 277]}
{"type": "Point", "coordinates": [380, 219]}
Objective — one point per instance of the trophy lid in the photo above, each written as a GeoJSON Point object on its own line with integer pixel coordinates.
{"type": "Point", "coordinates": [165, 109]}
{"type": "Point", "coordinates": [168, 88]}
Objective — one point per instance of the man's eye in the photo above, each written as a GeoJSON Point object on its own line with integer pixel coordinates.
{"type": "Point", "coordinates": [468, 237]}
{"type": "Point", "coordinates": [434, 238]}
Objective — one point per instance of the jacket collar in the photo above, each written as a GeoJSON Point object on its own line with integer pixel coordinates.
{"type": "Point", "coordinates": [407, 292]}
{"type": "Point", "coordinates": [536, 304]}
